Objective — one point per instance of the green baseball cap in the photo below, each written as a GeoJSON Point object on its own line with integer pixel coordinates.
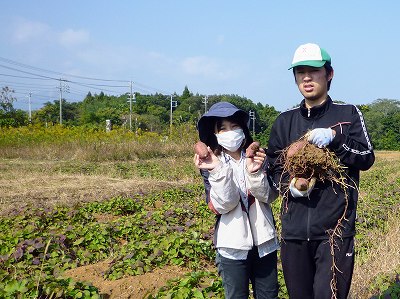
{"type": "Point", "coordinates": [310, 55]}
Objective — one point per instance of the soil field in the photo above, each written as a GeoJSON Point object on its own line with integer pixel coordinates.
{"type": "Point", "coordinates": [26, 183]}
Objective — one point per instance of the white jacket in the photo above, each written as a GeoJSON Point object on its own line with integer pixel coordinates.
{"type": "Point", "coordinates": [237, 228]}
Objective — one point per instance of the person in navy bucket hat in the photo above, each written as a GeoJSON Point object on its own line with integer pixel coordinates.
{"type": "Point", "coordinates": [206, 123]}
{"type": "Point", "coordinates": [238, 193]}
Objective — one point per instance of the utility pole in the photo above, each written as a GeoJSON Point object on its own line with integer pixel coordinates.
{"type": "Point", "coordinates": [252, 115]}
{"type": "Point", "coordinates": [131, 98]}
{"type": "Point", "coordinates": [63, 87]}
{"type": "Point", "coordinates": [173, 105]}
{"type": "Point", "coordinates": [60, 103]}
{"type": "Point", "coordinates": [205, 103]}
{"type": "Point", "coordinates": [29, 106]}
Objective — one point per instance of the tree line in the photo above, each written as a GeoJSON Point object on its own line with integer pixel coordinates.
{"type": "Point", "coordinates": [157, 112]}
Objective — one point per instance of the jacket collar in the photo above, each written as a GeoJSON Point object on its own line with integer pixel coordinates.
{"type": "Point", "coordinates": [315, 111]}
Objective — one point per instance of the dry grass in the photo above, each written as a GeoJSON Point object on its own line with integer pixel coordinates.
{"type": "Point", "coordinates": [30, 183]}
{"type": "Point", "coordinates": [126, 150]}
{"type": "Point", "coordinates": [78, 143]}
{"type": "Point", "coordinates": [383, 258]}
{"type": "Point", "coordinates": [388, 155]}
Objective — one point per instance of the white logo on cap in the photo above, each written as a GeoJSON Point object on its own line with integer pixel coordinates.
{"type": "Point", "coordinates": [307, 52]}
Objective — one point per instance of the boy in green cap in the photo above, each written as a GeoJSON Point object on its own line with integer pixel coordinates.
{"type": "Point", "coordinates": [313, 265]}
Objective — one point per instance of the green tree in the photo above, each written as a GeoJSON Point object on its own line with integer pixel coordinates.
{"type": "Point", "coordinates": [13, 118]}
{"type": "Point", "coordinates": [266, 117]}
{"type": "Point", "coordinates": [10, 117]}
{"type": "Point", "coordinates": [148, 122]}
{"type": "Point", "coordinates": [50, 113]}
{"type": "Point", "coordinates": [6, 99]}
{"type": "Point", "coordinates": [383, 121]}
{"type": "Point", "coordinates": [96, 109]}
{"type": "Point", "coordinates": [186, 93]}
{"type": "Point", "coordinates": [160, 112]}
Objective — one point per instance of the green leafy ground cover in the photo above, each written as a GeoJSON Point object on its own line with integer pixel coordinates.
{"type": "Point", "coordinates": [38, 245]}
{"type": "Point", "coordinates": [150, 231]}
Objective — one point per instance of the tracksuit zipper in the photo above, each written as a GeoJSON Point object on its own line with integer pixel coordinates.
{"type": "Point", "coordinates": [308, 207]}
{"type": "Point", "coordinates": [308, 223]}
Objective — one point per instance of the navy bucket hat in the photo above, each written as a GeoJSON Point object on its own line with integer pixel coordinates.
{"type": "Point", "coordinates": [206, 123]}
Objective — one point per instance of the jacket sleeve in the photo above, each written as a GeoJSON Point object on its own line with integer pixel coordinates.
{"type": "Point", "coordinates": [207, 187]}
{"type": "Point", "coordinates": [224, 194]}
{"type": "Point", "coordinates": [353, 146]}
{"type": "Point", "coordinates": [275, 163]}
{"type": "Point", "coordinates": [259, 186]}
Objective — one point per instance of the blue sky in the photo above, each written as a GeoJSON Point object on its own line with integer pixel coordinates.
{"type": "Point", "coordinates": [212, 47]}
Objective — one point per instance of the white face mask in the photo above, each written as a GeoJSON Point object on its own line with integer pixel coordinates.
{"type": "Point", "coordinates": [231, 140]}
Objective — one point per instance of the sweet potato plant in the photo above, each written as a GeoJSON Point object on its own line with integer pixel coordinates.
{"type": "Point", "coordinates": [142, 233]}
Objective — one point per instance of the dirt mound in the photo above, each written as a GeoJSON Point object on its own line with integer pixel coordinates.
{"type": "Point", "coordinates": [132, 287]}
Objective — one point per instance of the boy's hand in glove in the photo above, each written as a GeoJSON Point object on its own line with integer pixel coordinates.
{"type": "Point", "coordinates": [321, 137]}
{"type": "Point", "coordinates": [300, 187]}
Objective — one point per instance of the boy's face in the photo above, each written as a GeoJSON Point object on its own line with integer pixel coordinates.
{"type": "Point", "coordinates": [312, 82]}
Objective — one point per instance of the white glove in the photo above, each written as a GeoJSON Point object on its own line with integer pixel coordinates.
{"type": "Point", "coordinates": [297, 193]}
{"type": "Point", "coordinates": [320, 137]}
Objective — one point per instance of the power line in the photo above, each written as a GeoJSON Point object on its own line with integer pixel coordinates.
{"type": "Point", "coordinates": [36, 73]}
{"type": "Point", "coordinates": [57, 73]}
{"type": "Point", "coordinates": [26, 84]}
{"type": "Point", "coordinates": [93, 87]}
{"type": "Point", "coordinates": [152, 88]}
{"type": "Point", "coordinates": [29, 73]}
{"type": "Point", "coordinates": [33, 93]}
{"type": "Point", "coordinates": [64, 75]}
{"type": "Point", "coordinates": [69, 81]}
{"type": "Point", "coordinates": [24, 77]}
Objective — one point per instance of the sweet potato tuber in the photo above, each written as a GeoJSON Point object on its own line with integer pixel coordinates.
{"type": "Point", "coordinates": [301, 184]}
{"type": "Point", "coordinates": [295, 147]}
{"type": "Point", "coordinates": [252, 149]}
{"type": "Point", "coordinates": [201, 149]}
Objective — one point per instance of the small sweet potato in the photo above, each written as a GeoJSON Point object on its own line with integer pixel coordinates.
{"type": "Point", "coordinates": [201, 149]}
{"type": "Point", "coordinates": [301, 184]}
{"type": "Point", "coordinates": [252, 149]}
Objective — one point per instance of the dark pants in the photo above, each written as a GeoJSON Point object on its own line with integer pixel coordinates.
{"type": "Point", "coordinates": [307, 268]}
{"type": "Point", "coordinates": [236, 274]}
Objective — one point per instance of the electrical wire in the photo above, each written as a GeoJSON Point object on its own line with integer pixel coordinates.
{"type": "Point", "coordinates": [35, 73]}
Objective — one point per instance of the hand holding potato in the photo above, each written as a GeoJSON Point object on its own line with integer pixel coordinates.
{"type": "Point", "coordinates": [301, 184]}
{"type": "Point", "coordinates": [201, 149]}
{"type": "Point", "coordinates": [204, 158]}
{"type": "Point", "coordinates": [255, 157]}
{"type": "Point", "coordinates": [301, 187]}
